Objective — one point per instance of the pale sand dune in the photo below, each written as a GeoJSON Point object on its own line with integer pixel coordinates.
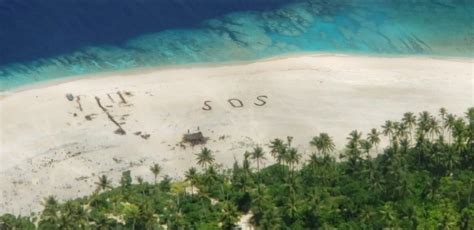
{"type": "Point", "coordinates": [46, 150]}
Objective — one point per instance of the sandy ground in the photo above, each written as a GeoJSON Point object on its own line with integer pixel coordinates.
{"type": "Point", "coordinates": [53, 146]}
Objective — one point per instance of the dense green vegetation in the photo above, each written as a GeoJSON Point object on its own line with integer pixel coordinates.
{"type": "Point", "coordinates": [423, 179]}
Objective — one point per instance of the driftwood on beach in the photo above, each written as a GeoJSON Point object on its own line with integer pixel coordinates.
{"type": "Point", "coordinates": [69, 97]}
{"type": "Point", "coordinates": [79, 105]}
{"type": "Point", "coordinates": [120, 130]}
{"type": "Point", "coordinates": [121, 97]}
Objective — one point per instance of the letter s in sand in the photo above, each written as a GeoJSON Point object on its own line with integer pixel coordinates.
{"type": "Point", "coordinates": [207, 107]}
{"type": "Point", "coordinates": [262, 102]}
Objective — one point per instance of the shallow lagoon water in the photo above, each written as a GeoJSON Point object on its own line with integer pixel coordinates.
{"type": "Point", "coordinates": [243, 32]}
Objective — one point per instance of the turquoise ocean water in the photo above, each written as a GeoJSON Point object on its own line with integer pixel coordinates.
{"type": "Point", "coordinates": [373, 27]}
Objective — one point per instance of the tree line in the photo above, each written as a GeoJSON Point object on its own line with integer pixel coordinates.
{"type": "Point", "coordinates": [423, 179]}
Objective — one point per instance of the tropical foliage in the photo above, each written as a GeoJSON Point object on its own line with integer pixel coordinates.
{"type": "Point", "coordinates": [423, 179]}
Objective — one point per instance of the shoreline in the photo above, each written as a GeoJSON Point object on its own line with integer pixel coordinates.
{"type": "Point", "coordinates": [141, 70]}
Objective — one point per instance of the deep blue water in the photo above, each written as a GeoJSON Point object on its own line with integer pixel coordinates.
{"type": "Point", "coordinates": [47, 39]}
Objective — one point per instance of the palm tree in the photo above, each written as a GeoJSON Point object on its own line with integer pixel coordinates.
{"type": "Point", "coordinates": [191, 177]}
{"type": "Point", "coordinates": [282, 155]}
{"type": "Point", "coordinates": [323, 143]}
{"type": "Point", "coordinates": [276, 146]}
{"type": "Point", "coordinates": [49, 216]}
{"type": "Point", "coordinates": [292, 206]}
{"type": "Point", "coordinates": [369, 170]}
{"type": "Point", "coordinates": [316, 142]}
{"type": "Point", "coordinates": [148, 215]}
{"type": "Point", "coordinates": [423, 121]}
{"type": "Point", "coordinates": [353, 152]}
{"type": "Point", "coordinates": [155, 169]}
{"type": "Point", "coordinates": [205, 157]}
{"type": "Point", "coordinates": [354, 136]}
{"type": "Point", "coordinates": [388, 130]}
{"type": "Point", "coordinates": [470, 119]}
{"type": "Point", "coordinates": [229, 215]}
{"type": "Point", "coordinates": [402, 189]}
{"type": "Point", "coordinates": [442, 114]}
{"type": "Point", "coordinates": [271, 219]}
{"type": "Point", "coordinates": [246, 163]}
{"type": "Point", "coordinates": [404, 145]}
{"type": "Point", "coordinates": [278, 150]}
{"type": "Point", "coordinates": [434, 127]}
{"type": "Point", "coordinates": [293, 157]}
{"type": "Point", "coordinates": [387, 215]}
{"type": "Point", "coordinates": [131, 213]}
{"type": "Point", "coordinates": [258, 155]}
{"type": "Point", "coordinates": [401, 131]}
{"type": "Point", "coordinates": [366, 216]}
{"type": "Point", "coordinates": [366, 146]}
{"type": "Point", "coordinates": [451, 161]}
{"type": "Point", "coordinates": [409, 119]}
{"type": "Point", "coordinates": [50, 201]}
{"type": "Point", "coordinates": [374, 138]}
{"type": "Point", "coordinates": [80, 215]}
{"type": "Point", "coordinates": [259, 200]}
{"type": "Point", "coordinates": [210, 176]}
{"type": "Point", "coordinates": [460, 135]}
{"type": "Point", "coordinates": [126, 179]}
{"type": "Point", "coordinates": [470, 114]}
{"type": "Point", "coordinates": [313, 160]}
{"type": "Point", "coordinates": [104, 183]}
{"type": "Point", "coordinates": [289, 140]}
{"type": "Point", "coordinates": [376, 182]}
{"type": "Point", "coordinates": [177, 220]}
{"type": "Point", "coordinates": [449, 121]}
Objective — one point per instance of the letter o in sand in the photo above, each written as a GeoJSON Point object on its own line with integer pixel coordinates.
{"type": "Point", "coordinates": [236, 103]}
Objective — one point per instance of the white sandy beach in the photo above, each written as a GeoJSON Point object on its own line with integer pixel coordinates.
{"type": "Point", "coordinates": [50, 146]}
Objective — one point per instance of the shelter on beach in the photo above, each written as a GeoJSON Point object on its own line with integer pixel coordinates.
{"type": "Point", "coordinates": [194, 138]}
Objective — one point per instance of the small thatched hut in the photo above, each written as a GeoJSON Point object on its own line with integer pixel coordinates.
{"type": "Point", "coordinates": [194, 138]}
